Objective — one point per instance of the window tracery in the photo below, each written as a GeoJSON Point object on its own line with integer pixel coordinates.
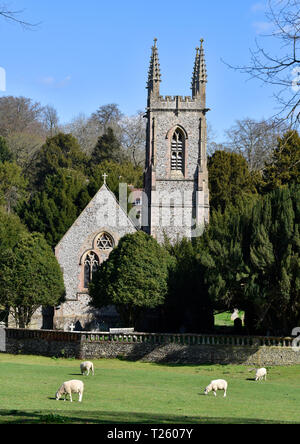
{"type": "Point", "coordinates": [105, 242]}
{"type": "Point", "coordinates": [91, 265]}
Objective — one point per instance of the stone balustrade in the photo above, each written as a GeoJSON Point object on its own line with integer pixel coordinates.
{"type": "Point", "coordinates": [155, 347]}
{"type": "Point", "coordinates": [187, 339]}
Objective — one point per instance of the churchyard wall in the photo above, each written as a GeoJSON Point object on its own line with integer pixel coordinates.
{"type": "Point", "coordinates": [159, 348]}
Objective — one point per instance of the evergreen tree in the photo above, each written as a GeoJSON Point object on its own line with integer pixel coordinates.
{"type": "Point", "coordinates": [30, 277]}
{"type": "Point", "coordinates": [285, 165]}
{"type": "Point", "coordinates": [273, 289]}
{"type": "Point", "coordinates": [187, 307]}
{"type": "Point", "coordinates": [53, 210]}
{"type": "Point", "coordinates": [5, 153]}
{"type": "Point", "coordinates": [11, 229]}
{"type": "Point", "coordinates": [222, 256]}
{"type": "Point", "coordinates": [252, 261]}
{"type": "Point", "coordinates": [60, 151]}
{"type": "Point", "coordinates": [134, 277]}
{"type": "Point", "coordinates": [230, 180]}
{"type": "Point", "coordinates": [13, 185]}
{"type": "Point", "coordinates": [107, 148]}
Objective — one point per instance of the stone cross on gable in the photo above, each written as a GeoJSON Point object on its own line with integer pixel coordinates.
{"type": "Point", "coordinates": [105, 176]}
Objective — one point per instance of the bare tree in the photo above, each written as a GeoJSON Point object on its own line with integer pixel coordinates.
{"type": "Point", "coordinates": [21, 123]}
{"type": "Point", "coordinates": [86, 131]}
{"type": "Point", "coordinates": [18, 114]}
{"type": "Point", "coordinates": [24, 146]}
{"type": "Point", "coordinates": [282, 69]}
{"type": "Point", "coordinates": [134, 137]}
{"type": "Point", "coordinates": [50, 120]}
{"type": "Point", "coordinates": [14, 16]}
{"type": "Point", "coordinates": [211, 144]}
{"type": "Point", "coordinates": [255, 140]}
{"type": "Point", "coordinates": [108, 116]}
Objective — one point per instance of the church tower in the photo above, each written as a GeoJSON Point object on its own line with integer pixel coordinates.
{"type": "Point", "coordinates": [176, 177]}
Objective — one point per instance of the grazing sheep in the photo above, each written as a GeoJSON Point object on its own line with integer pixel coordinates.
{"type": "Point", "coordinates": [86, 367]}
{"type": "Point", "coordinates": [69, 387]}
{"type": "Point", "coordinates": [260, 374]}
{"type": "Point", "coordinates": [218, 384]}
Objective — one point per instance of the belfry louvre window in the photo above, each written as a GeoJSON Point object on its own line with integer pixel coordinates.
{"type": "Point", "coordinates": [91, 264]}
{"type": "Point", "coordinates": [177, 151]}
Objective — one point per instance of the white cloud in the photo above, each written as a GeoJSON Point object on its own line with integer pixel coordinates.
{"type": "Point", "coordinates": [64, 82]}
{"type": "Point", "coordinates": [262, 27]}
{"type": "Point", "coordinates": [51, 81]}
{"type": "Point", "coordinates": [47, 80]}
{"type": "Point", "coordinates": [258, 7]}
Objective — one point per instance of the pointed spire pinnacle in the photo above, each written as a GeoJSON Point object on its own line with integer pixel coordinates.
{"type": "Point", "coordinates": [154, 76]}
{"type": "Point", "coordinates": [199, 74]}
{"type": "Point", "coordinates": [203, 72]}
{"type": "Point", "coordinates": [195, 78]}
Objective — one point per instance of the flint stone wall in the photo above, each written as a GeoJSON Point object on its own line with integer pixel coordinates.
{"type": "Point", "coordinates": [168, 190]}
{"type": "Point", "coordinates": [159, 348]}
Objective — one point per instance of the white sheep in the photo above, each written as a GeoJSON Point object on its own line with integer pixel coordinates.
{"type": "Point", "coordinates": [69, 387]}
{"type": "Point", "coordinates": [260, 374]}
{"type": "Point", "coordinates": [86, 367]}
{"type": "Point", "coordinates": [217, 384]}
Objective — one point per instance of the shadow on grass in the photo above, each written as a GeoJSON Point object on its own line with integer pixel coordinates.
{"type": "Point", "coordinates": [98, 417]}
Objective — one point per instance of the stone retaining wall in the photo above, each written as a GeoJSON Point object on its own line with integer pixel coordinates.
{"type": "Point", "coordinates": [42, 342]}
{"type": "Point", "coordinates": [161, 348]}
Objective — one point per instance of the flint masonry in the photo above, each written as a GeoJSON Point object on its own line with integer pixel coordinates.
{"type": "Point", "coordinates": [176, 177]}
{"type": "Point", "coordinates": [175, 201]}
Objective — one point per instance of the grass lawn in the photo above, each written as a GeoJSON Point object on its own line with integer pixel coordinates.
{"type": "Point", "coordinates": [223, 319]}
{"type": "Point", "coordinates": [124, 392]}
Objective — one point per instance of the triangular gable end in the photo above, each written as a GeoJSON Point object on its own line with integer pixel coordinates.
{"type": "Point", "coordinates": [99, 204]}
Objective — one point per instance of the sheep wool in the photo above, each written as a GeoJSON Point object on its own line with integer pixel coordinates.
{"type": "Point", "coordinates": [217, 384]}
{"type": "Point", "coordinates": [260, 374]}
{"type": "Point", "coordinates": [85, 367]}
{"type": "Point", "coordinates": [69, 387]}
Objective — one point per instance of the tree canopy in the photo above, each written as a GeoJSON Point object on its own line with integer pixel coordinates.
{"type": "Point", "coordinates": [252, 261]}
{"type": "Point", "coordinates": [53, 210]}
{"type": "Point", "coordinates": [284, 167]}
{"type": "Point", "coordinates": [230, 180]}
{"type": "Point", "coordinates": [59, 151]}
{"type": "Point", "coordinates": [133, 278]}
{"type": "Point", "coordinates": [108, 147]}
{"type": "Point", "coordinates": [5, 153]}
{"type": "Point", "coordinates": [30, 277]}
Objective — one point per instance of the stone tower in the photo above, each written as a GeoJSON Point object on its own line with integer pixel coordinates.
{"type": "Point", "coordinates": [176, 178]}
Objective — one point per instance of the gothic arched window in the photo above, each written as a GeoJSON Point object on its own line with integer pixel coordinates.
{"type": "Point", "coordinates": [105, 242]}
{"type": "Point", "coordinates": [91, 264]}
{"type": "Point", "coordinates": [177, 151]}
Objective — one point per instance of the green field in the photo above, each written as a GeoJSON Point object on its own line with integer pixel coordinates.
{"type": "Point", "coordinates": [135, 392]}
{"type": "Point", "coordinates": [223, 319]}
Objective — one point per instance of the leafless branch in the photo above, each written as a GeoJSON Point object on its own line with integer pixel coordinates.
{"type": "Point", "coordinates": [14, 16]}
{"type": "Point", "coordinates": [283, 68]}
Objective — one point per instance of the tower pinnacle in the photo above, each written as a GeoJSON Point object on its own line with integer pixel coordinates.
{"type": "Point", "coordinates": [199, 78]}
{"type": "Point", "coordinates": [203, 72]}
{"type": "Point", "coordinates": [154, 76]}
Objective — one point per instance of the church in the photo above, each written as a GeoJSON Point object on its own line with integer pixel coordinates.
{"type": "Point", "coordinates": [175, 199]}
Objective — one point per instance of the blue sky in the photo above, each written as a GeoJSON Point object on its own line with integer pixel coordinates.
{"type": "Point", "coordinates": [86, 54]}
